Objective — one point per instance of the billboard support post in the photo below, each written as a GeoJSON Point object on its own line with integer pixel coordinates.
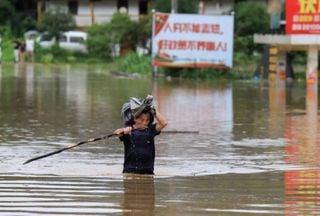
{"type": "Point", "coordinates": [174, 6]}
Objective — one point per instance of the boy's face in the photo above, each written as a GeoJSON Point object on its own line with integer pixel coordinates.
{"type": "Point", "coordinates": [142, 121]}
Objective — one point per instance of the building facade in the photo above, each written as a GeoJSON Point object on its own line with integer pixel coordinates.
{"type": "Point", "coordinates": [214, 7]}
{"type": "Point", "coordinates": [88, 12]}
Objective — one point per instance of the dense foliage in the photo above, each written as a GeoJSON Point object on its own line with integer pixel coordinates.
{"type": "Point", "coordinates": [99, 41]}
{"type": "Point", "coordinates": [6, 44]}
{"type": "Point", "coordinates": [7, 12]}
{"type": "Point", "coordinates": [135, 64]}
{"type": "Point", "coordinates": [250, 18]}
{"type": "Point", "coordinates": [57, 21]}
{"type": "Point", "coordinates": [184, 6]}
{"type": "Point", "coordinates": [120, 31]}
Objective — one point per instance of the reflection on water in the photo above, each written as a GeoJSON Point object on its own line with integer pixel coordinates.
{"type": "Point", "coordinates": [302, 192]}
{"type": "Point", "coordinates": [230, 194]}
{"type": "Point", "coordinates": [255, 150]}
{"type": "Point", "coordinates": [139, 195]}
{"type": "Point", "coordinates": [51, 195]}
{"type": "Point", "coordinates": [192, 106]}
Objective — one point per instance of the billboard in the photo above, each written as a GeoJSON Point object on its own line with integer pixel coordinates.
{"type": "Point", "coordinates": [185, 40]}
{"type": "Point", "coordinates": [302, 17]}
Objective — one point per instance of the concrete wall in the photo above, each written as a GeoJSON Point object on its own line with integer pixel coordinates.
{"type": "Point", "coordinates": [103, 10]}
{"type": "Point", "coordinates": [52, 5]}
{"type": "Point", "coordinates": [215, 7]}
{"type": "Point", "coordinates": [83, 18]}
{"type": "Point", "coordinates": [133, 10]}
{"type": "Point", "coordinates": [90, 12]}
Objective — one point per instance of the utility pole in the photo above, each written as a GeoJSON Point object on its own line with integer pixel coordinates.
{"type": "Point", "coordinates": [174, 6]}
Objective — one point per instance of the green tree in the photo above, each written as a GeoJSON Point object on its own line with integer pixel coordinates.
{"type": "Point", "coordinates": [28, 23]}
{"type": "Point", "coordinates": [7, 12]}
{"type": "Point", "coordinates": [184, 6]}
{"type": "Point", "coordinates": [57, 21]}
{"type": "Point", "coordinates": [250, 17]}
{"type": "Point", "coordinates": [99, 41]}
{"type": "Point", "coordinates": [124, 30]}
{"type": "Point", "coordinates": [120, 30]}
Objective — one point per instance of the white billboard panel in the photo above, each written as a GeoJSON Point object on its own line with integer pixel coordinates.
{"type": "Point", "coordinates": [185, 40]}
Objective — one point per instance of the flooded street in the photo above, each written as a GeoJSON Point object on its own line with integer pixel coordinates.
{"type": "Point", "coordinates": [231, 148]}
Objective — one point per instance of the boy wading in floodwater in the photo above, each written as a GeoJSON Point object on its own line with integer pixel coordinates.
{"type": "Point", "coordinates": [138, 135]}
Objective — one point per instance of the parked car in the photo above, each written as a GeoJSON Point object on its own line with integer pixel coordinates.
{"type": "Point", "coordinates": [71, 40]}
{"type": "Point", "coordinates": [32, 33]}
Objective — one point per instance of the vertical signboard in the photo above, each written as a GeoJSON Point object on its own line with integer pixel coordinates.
{"type": "Point", "coordinates": [273, 61]}
{"type": "Point", "coordinates": [185, 40]}
{"type": "Point", "coordinates": [302, 17]}
{"type": "Point", "coordinates": [275, 7]}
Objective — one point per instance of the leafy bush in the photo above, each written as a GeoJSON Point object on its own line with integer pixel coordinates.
{"type": "Point", "coordinates": [145, 29]}
{"type": "Point", "coordinates": [184, 6]}
{"type": "Point", "coordinates": [99, 41]}
{"type": "Point", "coordinates": [28, 23]}
{"type": "Point", "coordinates": [133, 63]}
{"type": "Point", "coordinates": [245, 44]}
{"type": "Point", "coordinates": [245, 65]}
{"type": "Point", "coordinates": [120, 30]}
{"type": "Point", "coordinates": [57, 21]}
{"type": "Point", "coordinates": [55, 54]}
{"type": "Point", "coordinates": [124, 30]}
{"type": "Point", "coordinates": [7, 12]}
{"type": "Point", "coordinates": [6, 44]}
{"type": "Point", "coordinates": [250, 18]}
{"type": "Point", "coordinates": [47, 58]}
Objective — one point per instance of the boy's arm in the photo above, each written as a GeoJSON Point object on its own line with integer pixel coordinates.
{"type": "Point", "coordinates": [161, 121]}
{"type": "Point", "coordinates": [122, 131]}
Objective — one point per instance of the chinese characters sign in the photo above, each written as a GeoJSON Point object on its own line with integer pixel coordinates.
{"type": "Point", "coordinates": [302, 16]}
{"type": "Point", "coordinates": [181, 40]}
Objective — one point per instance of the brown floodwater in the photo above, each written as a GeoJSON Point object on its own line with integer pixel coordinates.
{"type": "Point", "coordinates": [231, 148]}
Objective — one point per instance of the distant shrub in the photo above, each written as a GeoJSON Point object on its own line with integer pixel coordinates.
{"type": "Point", "coordinates": [133, 63]}
{"type": "Point", "coordinates": [184, 6]}
{"type": "Point", "coordinates": [7, 46]}
{"type": "Point", "coordinates": [120, 30]}
{"type": "Point", "coordinates": [250, 17]}
{"type": "Point", "coordinates": [56, 21]}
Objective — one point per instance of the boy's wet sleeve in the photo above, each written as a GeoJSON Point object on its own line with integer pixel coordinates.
{"type": "Point", "coordinates": [154, 131]}
{"type": "Point", "coordinates": [124, 137]}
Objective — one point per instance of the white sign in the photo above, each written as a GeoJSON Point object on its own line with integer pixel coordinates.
{"type": "Point", "coordinates": [185, 40]}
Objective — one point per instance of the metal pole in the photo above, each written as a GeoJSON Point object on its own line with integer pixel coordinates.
{"type": "Point", "coordinates": [174, 6]}
{"type": "Point", "coordinates": [312, 68]}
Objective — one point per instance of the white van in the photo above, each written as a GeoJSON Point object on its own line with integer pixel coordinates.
{"type": "Point", "coordinates": [71, 40]}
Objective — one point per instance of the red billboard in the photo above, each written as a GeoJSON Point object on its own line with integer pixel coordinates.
{"type": "Point", "coordinates": [302, 17]}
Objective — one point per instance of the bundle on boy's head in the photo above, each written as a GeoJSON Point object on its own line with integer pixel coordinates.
{"type": "Point", "coordinates": [135, 107]}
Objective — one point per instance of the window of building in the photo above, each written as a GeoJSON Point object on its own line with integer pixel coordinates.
{"type": "Point", "coordinates": [42, 6]}
{"type": "Point", "coordinates": [73, 7]}
{"type": "Point", "coordinates": [143, 7]}
{"type": "Point", "coordinates": [122, 4]}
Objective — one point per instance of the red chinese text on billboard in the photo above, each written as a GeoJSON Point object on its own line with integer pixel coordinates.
{"type": "Point", "coordinates": [192, 45]}
{"type": "Point", "coordinates": [303, 16]}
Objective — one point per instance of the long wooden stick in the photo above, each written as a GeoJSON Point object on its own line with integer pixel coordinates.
{"type": "Point", "coordinates": [69, 147]}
